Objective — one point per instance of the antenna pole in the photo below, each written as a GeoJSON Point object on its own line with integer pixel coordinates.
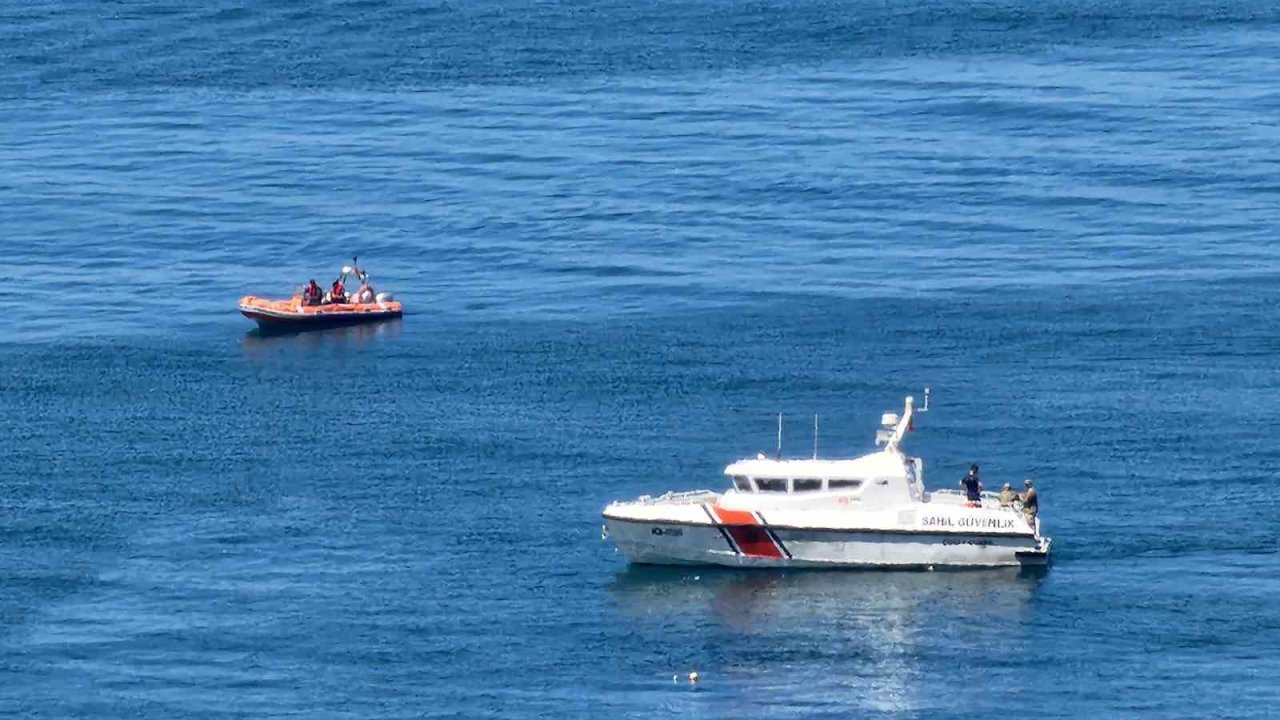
{"type": "Point", "coordinates": [779, 453]}
{"type": "Point", "coordinates": [815, 436]}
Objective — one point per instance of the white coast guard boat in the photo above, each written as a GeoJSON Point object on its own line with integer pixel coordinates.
{"type": "Point", "coordinates": [871, 511]}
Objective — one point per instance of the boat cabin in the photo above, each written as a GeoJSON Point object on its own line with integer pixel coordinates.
{"type": "Point", "coordinates": [881, 478]}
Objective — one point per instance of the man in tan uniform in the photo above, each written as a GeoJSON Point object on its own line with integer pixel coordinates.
{"type": "Point", "coordinates": [1007, 496]}
{"type": "Point", "coordinates": [1030, 503]}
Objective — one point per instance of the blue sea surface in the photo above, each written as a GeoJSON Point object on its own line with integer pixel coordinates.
{"type": "Point", "coordinates": [626, 235]}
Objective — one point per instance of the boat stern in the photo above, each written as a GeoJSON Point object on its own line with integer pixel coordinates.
{"type": "Point", "coordinates": [1037, 556]}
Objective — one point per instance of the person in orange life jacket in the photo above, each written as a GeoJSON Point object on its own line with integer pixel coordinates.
{"type": "Point", "coordinates": [311, 294]}
{"type": "Point", "coordinates": [339, 292]}
{"type": "Point", "coordinates": [972, 487]}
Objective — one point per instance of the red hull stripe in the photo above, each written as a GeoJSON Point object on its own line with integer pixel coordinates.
{"type": "Point", "coordinates": [734, 517]}
{"type": "Point", "coordinates": [776, 540]}
{"type": "Point", "coordinates": [755, 541]}
{"type": "Point", "coordinates": [749, 534]}
{"type": "Point", "coordinates": [716, 524]}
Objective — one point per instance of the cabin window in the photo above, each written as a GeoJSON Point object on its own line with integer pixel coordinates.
{"type": "Point", "coordinates": [806, 484]}
{"type": "Point", "coordinates": [843, 484]}
{"type": "Point", "coordinates": [742, 482]}
{"type": "Point", "coordinates": [772, 484]}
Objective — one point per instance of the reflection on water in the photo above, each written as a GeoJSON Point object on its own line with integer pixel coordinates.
{"type": "Point", "coordinates": [258, 342]}
{"type": "Point", "coordinates": [851, 638]}
{"type": "Point", "coordinates": [742, 598]}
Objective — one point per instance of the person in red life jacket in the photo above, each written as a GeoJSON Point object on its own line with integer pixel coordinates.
{"type": "Point", "coordinates": [311, 294]}
{"type": "Point", "coordinates": [339, 292]}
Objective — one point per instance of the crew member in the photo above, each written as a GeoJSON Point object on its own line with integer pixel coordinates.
{"type": "Point", "coordinates": [339, 292]}
{"type": "Point", "coordinates": [972, 487]}
{"type": "Point", "coordinates": [1030, 503]}
{"type": "Point", "coordinates": [1007, 496]}
{"type": "Point", "coordinates": [311, 295]}
{"type": "Point", "coordinates": [365, 294]}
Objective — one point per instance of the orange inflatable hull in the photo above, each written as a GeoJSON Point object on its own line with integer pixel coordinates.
{"type": "Point", "coordinates": [291, 313]}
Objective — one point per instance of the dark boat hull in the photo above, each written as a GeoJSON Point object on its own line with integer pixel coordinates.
{"type": "Point", "coordinates": [268, 321]}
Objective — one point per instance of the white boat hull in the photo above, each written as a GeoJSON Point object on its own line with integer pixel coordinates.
{"type": "Point", "coordinates": [871, 511]}
{"type": "Point", "coordinates": [761, 545]}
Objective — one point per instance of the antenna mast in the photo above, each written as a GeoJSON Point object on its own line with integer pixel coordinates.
{"type": "Point", "coordinates": [778, 455]}
{"type": "Point", "coordinates": [815, 436]}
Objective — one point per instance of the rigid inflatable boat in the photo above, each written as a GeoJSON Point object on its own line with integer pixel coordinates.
{"type": "Point", "coordinates": [309, 309]}
{"type": "Point", "coordinates": [291, 313]}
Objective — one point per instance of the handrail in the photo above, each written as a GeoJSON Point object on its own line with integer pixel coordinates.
{"type": "Point", "coordinates": [686, 497]}
{"type": "Point", "coordinates": [985, 494]}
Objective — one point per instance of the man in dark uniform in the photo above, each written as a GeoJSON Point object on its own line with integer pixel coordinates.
{"type": "Point", "coordinates": [972, 487]}
{"type": "Point", "coordinates": [1030, 503]}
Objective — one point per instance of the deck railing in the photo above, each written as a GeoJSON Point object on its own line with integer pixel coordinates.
{"type": "Point", "coordinates": [686, 497]}
{"type": "Point", "coordinates": [958, 496]}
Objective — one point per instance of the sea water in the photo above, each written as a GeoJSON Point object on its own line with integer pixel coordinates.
{"type": "Point", "coordinates": [627, 235]}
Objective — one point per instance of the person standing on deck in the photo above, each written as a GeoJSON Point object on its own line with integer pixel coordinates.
{"type": "Point", "coordinates": [972, 487]}
{"type": "Point", "coordinates": [1030, 503]}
